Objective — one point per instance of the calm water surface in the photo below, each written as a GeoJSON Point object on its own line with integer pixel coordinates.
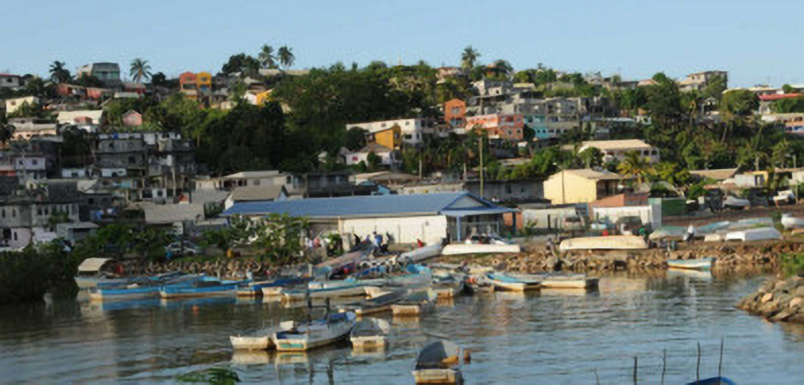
{"type": "Point", "coordinates": [549, 338]}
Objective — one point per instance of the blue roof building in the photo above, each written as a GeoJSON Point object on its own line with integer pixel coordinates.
{"type": "Point", "coordinates": [428, 217]}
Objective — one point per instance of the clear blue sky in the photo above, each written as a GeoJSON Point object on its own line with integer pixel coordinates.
{"type": "Point", "coordinates": [756, 41]}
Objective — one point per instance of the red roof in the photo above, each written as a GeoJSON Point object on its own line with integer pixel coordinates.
{"type": "Point", "coordinates": [16, 76]}
{"type": "Point", "coordinates": [778, 96]}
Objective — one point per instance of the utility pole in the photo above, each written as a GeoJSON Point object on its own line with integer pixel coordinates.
{"type": "Point", "coordinates": [480, 144]}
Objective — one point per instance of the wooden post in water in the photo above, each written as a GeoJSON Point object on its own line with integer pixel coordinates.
{"type": "Point", "coordinates": [664, 364]}
{"type": "Point", "coordinates": [720, 363]}
{"type": "Point", "coordinates": [635, 369]}
{"type": "Point", "coordinates": [698, 366]}
{"type": "Point", "coordinates": [597, 379]}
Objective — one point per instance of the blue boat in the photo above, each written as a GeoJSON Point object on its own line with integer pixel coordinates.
{"type": "Point", "coordinates": [713, 381]}
{"type": "Point", "coordinates": [508, 283]}
{"type": "Point", "coordinates": [150, 288]}
{"type": "Point", "coordinates": [255, 289]}
{"type": "Point", "coordinates": [202, 289]}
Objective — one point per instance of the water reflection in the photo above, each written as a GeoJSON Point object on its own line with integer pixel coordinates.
{"type": "Point", "coordinates": [555, 336]}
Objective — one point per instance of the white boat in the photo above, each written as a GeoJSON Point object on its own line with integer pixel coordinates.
{"type": "Point", "coordinates": [416, 303]}
{"type": "Point", "coordinates": [315, 334]}
{"type": "Point", "coordinates": [460, 249]}
{"type": "Point", "coordinates": [353, 290]}
{"type": "Point", "coordinates": [438, 363]}
{"type": "Point", "coordinates": [613, 242]}
{"type": "Point", "coordinates": [691, 264]}
{"type": "Point", "coordinates": [379, 303]}
{"type": "Point", "coordinates": [420, 254]}
{"type": "Point", "coordinates": [510, 283]}
{"type": "Point", "coordinates": [761, 234]}
{"type": "Point", "coordinates": [790, 222]}
{"type": "Point", "coordinates": [561, 281]}
{"type": "Point", "coordinates": [448, 287]}
{"type": "Point", "coordinates": [259, 340]}
{"type": "Point", "coordinates": [370, 333]}
{"type": "Point", "coordinates": [89, 274]}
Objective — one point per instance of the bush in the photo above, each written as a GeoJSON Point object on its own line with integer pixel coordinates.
{"type": "Point", "coordinates": [793, 264]}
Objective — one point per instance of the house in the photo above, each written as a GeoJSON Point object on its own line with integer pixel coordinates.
{"type": "Point", "coordinates": [245, 179]}
{"type": "Point", "coordinates": [717, 175]}
{"type": "Point", "coordinates": [12, 105]}
{"type": "Point", "coordinates": [495, 190]}
{"type": "Point", "coordinates": [390, 137]}
{"type": "Point", "coordinates": [172, 214]}
{"type": "Point", "coordinates": [10, 81]}
{"type": "Point", "coordinates": [188, 85]}
{"type": "Point", "coordinates": [407, 218]}
{"type": "Point", "coordinates": [132, 119]}
{"type": "Point", "coordinates": [71, 90]}
{"type": "Point", "coordinates": [549, 217]}
{"type": "Point", "coordinates": [74, 232]}
{"type": "Point", "coordinates": [27, 128]}
{"type": "Point", "coordinates": [94, 117]}
{"type": "Point", "coordinates": [413, 130]}
{"type": "Point", "coordinates": [498, 126]}
{"type": "Point", "coordinates": [23, 215]}
{"type": "Point", "coordinates": [581, 186]}
{"type": "Point", "coordinates": [699, 80]}
{"type": "Point", "coordinates": [256, 194]}
{"type": "Point", "coordinates": [455, 113]}
{"type": "Point", "coordinates": [108, 73]}
{"type": "Point", "coordinates": [385, 154]}
{"type": "Point", "coordinates": [617, 149]}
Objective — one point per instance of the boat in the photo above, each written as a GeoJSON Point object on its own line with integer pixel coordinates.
{"type": "Point", "coordinates": [255, 289]}
{"type": "Point", "coordinates": [790, 222]}
{"type": "Point", "coordinates": [379, 303]}
{"type": "Point", "coordinates": [561, 281]}
{"type": "Point", "coordinates": [459, 249]}
{"type": "Point", "coordinates": [314, 334]}
{"type": "Point", "coordinates": [448, 287]}
{"type": "Point", "coordinates": [89, 274]}
{"type": "Point", "coordinates": [613, 242]}
{"type": "Point", "coordinates": [415, 303]}
{"type": "Point", "coordinates": [344, 291]}
{"type": "Point", "coordinates": [760, 234]}
{"type": "Point", "coordinates": [259, 340]}
{"type": "Point", "coordinates": [691, 264]}
{"type": "Point", "coordinates": [437, 363]}
{"type": "Point", "coordinates": [509, 283]}
{"type": "Point", "coordinates": [370, 333]}
{"type": "Point", "coordinates": [713, 381]}
{"type": "Point", "coordinates": [420, 254]}
{"type": "Point", "coordinates": [138, 291]}
{"type": "Point", "coordinates": [202, 288]}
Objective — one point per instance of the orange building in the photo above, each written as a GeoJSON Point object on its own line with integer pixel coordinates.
{"type": "Point", "coordinates": [188, 85]}
{"type": "Point", "coordinates": [390, 137]}
{"type": "Point", "coordinates": [455, 113]}
{"type": "Point", "coordinates": [499, 126]}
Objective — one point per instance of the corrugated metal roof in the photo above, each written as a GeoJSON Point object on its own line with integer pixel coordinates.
{"type": "Point", "coordinates": [361, 206]}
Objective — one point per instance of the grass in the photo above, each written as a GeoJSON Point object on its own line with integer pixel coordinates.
{"type": "Point", "coordinates": [793, 264]}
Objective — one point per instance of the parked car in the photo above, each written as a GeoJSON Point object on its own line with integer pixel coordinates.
{"type": "Point", "coordinates": [784, 197]}
{"type": "Point", "coordinates": [190, 249]}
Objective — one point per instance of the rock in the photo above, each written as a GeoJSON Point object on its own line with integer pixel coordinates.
{"type": "Point", "coordinates": [767, 298]}
{"type": "Point", "coordinates": [796, 302]}
{"type": "Point", "coordinates": [782, 316]}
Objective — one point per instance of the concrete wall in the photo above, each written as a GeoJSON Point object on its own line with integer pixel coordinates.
{"type": "Point", "coordinates": [548, 218]}
{"type": "Point", "coordinates": [430, 229]}
{"type": "Point", "coordinates": [575, 189]}
{"type": "Point", "coordinates": [649, 214]}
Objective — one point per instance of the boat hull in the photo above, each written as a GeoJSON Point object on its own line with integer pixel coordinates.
{"type": "Point", "coordinates": [251, 342]}
{"type": "Point", "coordinates": [691, 264]}
{"type": "Point", "coordinates": [459, 249]}
{"type": "Point", "coordinates": [368, 342]}
{"type": "Point", "coordinates": [215, 291]}
{"type": "Point", "coordinates": [437, 376]}
{"type": "Point", "coordinates": [301, 295]}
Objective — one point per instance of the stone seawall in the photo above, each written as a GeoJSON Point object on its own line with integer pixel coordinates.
{"type": "Point", "coordinates": [777, 300]}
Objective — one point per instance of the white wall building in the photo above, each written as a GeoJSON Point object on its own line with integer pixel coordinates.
{"type": "Point", "coordinates": [413, 130]}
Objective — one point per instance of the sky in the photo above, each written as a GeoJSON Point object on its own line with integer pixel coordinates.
{"type": "Point", "coordinates": [757, 42]}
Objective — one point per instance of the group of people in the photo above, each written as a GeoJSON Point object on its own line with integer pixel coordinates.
{"type": "Point", "coordinates": [373, 240]}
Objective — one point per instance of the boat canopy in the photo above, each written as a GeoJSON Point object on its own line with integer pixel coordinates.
{"type": "Point", "coordinates": [91, 265]}
{"type": "Point", "coordinates": [433, 356]}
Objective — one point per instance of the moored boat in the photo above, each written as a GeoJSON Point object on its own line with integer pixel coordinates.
{"type": "Point", "coordinates": [713, 381]}
{"type": "Point", "coordinates": [760, 234]}
{"type": "Point", "coordinates": [259, 340]}
{"type": "Point", "coordinates": [256, 289]}
{"type": "Point", "coordinates": [614, 242]}
{"type": "Point", "coordinates": [415, 303]}
{"type": "Point", "coordinates": [378, 304]}
{"type": "Point", "coordinates": [420, 254]}
{"type": "Point", "coordinates": [691, 264]}
{"type": "Point", "coordinates": [343, 291]}
{"type": "Point", "coordinates": [448, 287]}
{"type": "Point", "coordinates": [315, 334]}
{"type": "Point", "coordinates": [561, 281]}
{"type": "Point", "coordinates": [509, 283]}
{"type": "Point", "coordinates": [437, 363]}
{"type": "Point", "coordinates": [790, 222]}
{"type": "Point", "coordinates": [202, 289]}
{"type": "Point", "coordinates": [459, 249]}
{"type": "Point", "coordinates": [370, 333]}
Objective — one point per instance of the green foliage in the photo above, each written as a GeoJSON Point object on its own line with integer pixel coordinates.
{"type": "Point", "coordinates": [793, 264]}
{"type": "Point", "coordinates": [241, 63]}
{"type": "Point", "coordinates": [26, 110]}
{"type": "Point", "coordinates": [59, 72]}
{"type": "Point", "coordinates": [355, 139]}
{"type": "Point", "coordinates": [28, 275]}
{"type": "Point", "coordinates": [213, 376]}
{"type": "Point", "coordinates": [635, 166]}
{"type": "Point", "coordinates": [140, 70]}
{"type": "Point", "coordinates": [87, 80]}
{"type": "Point", "coordinates": [789, 105]}
{"type": "Point", "coordinates": [469, 57]}
{"type": "Point", "coordinates": [286, 57]}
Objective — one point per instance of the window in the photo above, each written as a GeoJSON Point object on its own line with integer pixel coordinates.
{"type": "Point", "coordinates": [256, 182]}
{"type": "Point", "coordinates": [47, 211]}
{"type": "Point", "coordinates": [4, 213]}
{"type": "Point", "coordinates": [38, 211]}
{"type": "Point", "coordinates": [35, 162]}
{"type": "Point", "coordinates": [15, 236]}
{"type": "Point", "coordinates": [131, 160]}
{"type": "Point", "coordinates": [13, 213]}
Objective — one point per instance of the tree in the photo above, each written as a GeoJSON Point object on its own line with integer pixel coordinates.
{"type": "Point", "coordinates": [286, 57]}
{"type": "Point", "coordinates": [736, 109]}
{"type": "Point", "coordinates": [788, 89]}
{"type": "Point", "coordinates": [6, 133]}
{"type": "Point", "coordinates": [715, 87]}
{"type": "Point", "coordinates": [635, 166]}
{"type": "Point", "coordinates": [140, 69]}
{"type": "Point", "coordinates": [88, 80]}
{"type": "Point", "coordinates": [159, 80]}
{"type": "Point", "coordinates": [469, 57]}
{"type": "Point", "coordinates": [241, 63]}
{"type": "Point", "coordinates": [355, 139]}
{"type": "Point", "coordinates": [58, 72]}
{"type": "Point", "coordinates": [267, 57]}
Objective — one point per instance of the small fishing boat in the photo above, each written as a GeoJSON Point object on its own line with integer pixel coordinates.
{"type": "Point", "coordinates": [691, 264]}
{"type": "Point", "coordinates": [448, 287]}
{"type": "Point", "coordinates": [713, 381]}
{"type": "Point", "coordinates": [138, 291]}
{"type": "Point", "coordinates": [89, 274]}
{"type": "Point", "coordinates": [202, 288]}
{"type": "Point", "coordinates": [614, 242]}
{"type": "Point", "coordinates": [760, 234]}
{"type": "Point", "coordinates": [459, 249]}
{"type": "Point", "coordinates": [561, 281]}
{"type": "Point", "coordinates": [255, 289]}
{"type": "Point", "coordinates": [438, 363]}
{"type": "Point", "coordinates": [315, 334]}
{"type": "Point", "coordinates": [259, 340]}
{"type": "Point", "coordinates": [790, 222]}
{"type": "Point", "coordinates": [420, 254]}
{"type": "Point", "coordinates": [343, 291]}
{"type": "Point", "coordinates": [378, 304]}
{"type": "Point", "coordinates": [509, 283]}
{"type": "Point", "coordinates": [370, 333]}
{"type": "Point", "coordinates": [415, 303]}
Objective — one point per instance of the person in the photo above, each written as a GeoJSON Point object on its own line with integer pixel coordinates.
{"type": "Point", "coordinates": [378, 239]}
{"type": "Point", "coordinates": [551, 246]}
{"type": "Point", "coordinates": [357, 240]}
{"type": "Point", "coordinates": [690, 237]}
{"type": "Point", "coordinates": [419, 243]}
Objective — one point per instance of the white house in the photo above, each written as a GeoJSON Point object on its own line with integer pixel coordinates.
{"type": "Point", "coordinates": [9, 81]}
{"type": "Point", "coordinates": [617, 149]}
{"type": "Point", "coordinates": [12, 105]}
{"type": "Point", "coordinates": [385, 154]}
{"type": "Point", "coordinates": [413, 130]}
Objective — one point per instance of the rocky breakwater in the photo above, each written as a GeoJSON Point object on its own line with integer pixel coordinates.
{"type": "Point", "coordinates": [778, 300]}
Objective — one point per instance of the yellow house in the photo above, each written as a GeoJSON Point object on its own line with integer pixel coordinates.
{"type": "Point", "coordinates": [580, 186]}
{"type": "Point", "coordinates": [204, 82]}
{"type": "Point", "coordinates": [390, 137]}
{"type": "Point", "coordinates": [262, 97]}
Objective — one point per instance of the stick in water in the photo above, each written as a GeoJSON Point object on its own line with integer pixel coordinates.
{"type": "Point", "coordinates": [664, 364]}
{"type": "Point", "coordinates": [698, 367]}
{"type": "Point", "coordinates": [720, 364]}
{"type": "Point", "coordinates": [635, 369]}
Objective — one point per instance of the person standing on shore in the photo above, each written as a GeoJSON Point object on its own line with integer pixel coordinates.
{"type": "Point", "coordinates": [690, 238]}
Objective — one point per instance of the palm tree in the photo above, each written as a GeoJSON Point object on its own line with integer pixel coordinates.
{"type": "Point", "coordinates": [634, 165]}
{"type": "Point", "coordinates": [286, 57]}
{"type": "Point", "coordinates": [468, 57]}
{"type": "Point", "coordinates": [58, 73]}
{"type": "Point", "coordinates": [267, 57]}
{"type": "Point", "coordinates": [140, 69]}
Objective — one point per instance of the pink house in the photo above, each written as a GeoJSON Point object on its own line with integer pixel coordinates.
{"type": "Point", "coordinates": [132, 119]}
{"type": "Point", "coordinates": [499, 126]}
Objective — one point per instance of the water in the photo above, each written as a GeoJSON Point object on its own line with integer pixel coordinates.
{"type": "Point", "coordinates": [548, 338]}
